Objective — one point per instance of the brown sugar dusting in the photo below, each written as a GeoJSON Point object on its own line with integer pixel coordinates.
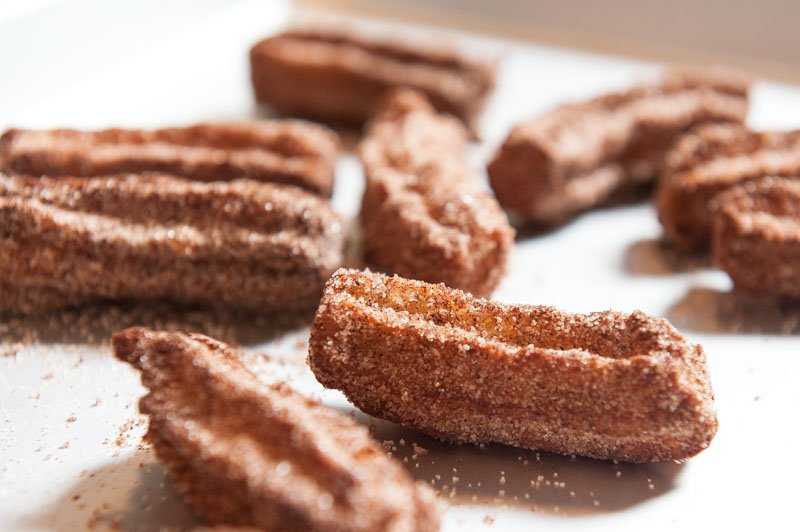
{"type": "Point", "coordinates": [756, 236]}
{"type": "Point", "coordinates": [421, 216]}
{"type": "Point", "coordinates": [580, 155]}
{"type": "Point", "coordinates": [244, 453]}
{"type": "Point", "coordinates": [280, 151]}
{"type": "Point", "coordinates": [342, 78]}
{"type": "Point", "coordinates": [605, 385]}
{"type": "Point", "coordinates": [710, 160]}
{"type": "Point", "coordinates": [239, 244]}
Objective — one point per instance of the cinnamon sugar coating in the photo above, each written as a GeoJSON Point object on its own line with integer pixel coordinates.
{"type": "Point", "coordinates": [238, 244]}
{"type": "Point", "coordinates": [280, 151]}
{"type": "Point", "coordinates": [244, 453]}
{"type": "Point", "coordinates": [580, 155]}
{"type": "Point", "coordinates": [342, 78]}
{"type": "Point", "coordinates": [710, 160]}
{"type": "Point", "coordinates": [605, 385]}
{"type": "Point", "coordinates": [756, 235]}
{"type": "Point", "coordinates": [421, 215]}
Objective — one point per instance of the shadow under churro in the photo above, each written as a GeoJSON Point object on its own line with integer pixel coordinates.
{"type": "Point", "coordinates": [627, 197]}
{"type": "Point", "coordinates": [506, 476]}
{"type": "Point", "coordinates": [95, 323]}
{"type": "Point", "coordinates": [349, 134]}
{"type": "Point", "coordinates": [528, 231]}
{"type": "Point", "coordinates": [735, 312]}
{"type": "Point", "coordinates": [131, 495]}
{"type": "Point", "coordinates": [656, 257]}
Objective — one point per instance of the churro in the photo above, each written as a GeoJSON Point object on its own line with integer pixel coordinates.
{"type": "Point", "coordinates": [581, 155]}
{"type": "Point", "coordinates": [421, 215]}
{"type": "Point", "coordinates": [756, 235]}
{"type": "Point", "coordinates": [281, 151]}
{"type": "Point", "coordinates": [239, 244]}
{"type": "Point", "coordinates": [710, 160]}
{"type": "Point", "coordinates": [605, 385]}
{"type": "Point", "coordinates": [343, 78]}
{"type": "Point", "coordinates": [241, 452]}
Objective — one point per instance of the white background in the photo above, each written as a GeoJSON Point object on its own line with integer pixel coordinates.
{"type": "Point", "coordinates": [67, 460]}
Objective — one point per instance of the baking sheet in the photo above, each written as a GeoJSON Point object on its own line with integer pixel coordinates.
{"type": "Point", "coordinates": [71, 455]}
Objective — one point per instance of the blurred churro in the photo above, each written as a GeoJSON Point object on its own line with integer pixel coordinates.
{"type": "Point", "coordinates": [710, 160]}
{"type": "Point", "coordinates": [580, 155]}
{"type": "Point", "coordinates": [241, 452]}
{"type": "Point", "coordinates": [340, 77]}
{"type": "Point", "coordinates": [756, 235]}
{"type": "Point", "coordinates": [239, 244]}
{"type": "Point", "coordinates": [606, 385]}
{"type": "Point", "coordinates": [280, 151]}
{"type": "Point", "coordinates": [421, 215]}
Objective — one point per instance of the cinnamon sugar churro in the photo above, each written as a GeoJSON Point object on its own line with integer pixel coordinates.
{"type": "Point", "coordinates": [605, 385]}
{"type": "Point", "coordinates": [242, 244]}
{"type": "Point", "coordinates": [710, 160]}
{"type": "Point", "coordinates": [756, 235]}
{"type": "Point", "coordinates": [338, 77]}
{"type": "Point", "coordinates": [241, 452]}
{"type": "Point", "coordinates": [421, 215]}
{"type": "Point", "coordinates": [580, 155]}
{"type": "Point", "coordinates": [280, 151]}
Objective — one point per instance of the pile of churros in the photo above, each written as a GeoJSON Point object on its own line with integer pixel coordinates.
{"type": "Point", "coordinates": [237, 215]}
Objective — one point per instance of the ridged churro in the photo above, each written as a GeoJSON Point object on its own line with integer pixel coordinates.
{"type": "Point", "coordinates": [756, 235]}
{"type": "Point", "coordinates": [710, 160]}
{"type": "Point", "coordinates": [580, 155]}
{"type": "Point", "coordinates": [280, 151]}
{"type": "Point", "coordinates": [421, 215]}
{"type": "Point", "coordinates": [343, 78]}
{"type": "Point", "coordinates": [238, 244]}
{"type": "Point", "coordinates": [241, 452]}
{"type": "Point", "coordinates": [605, 385]}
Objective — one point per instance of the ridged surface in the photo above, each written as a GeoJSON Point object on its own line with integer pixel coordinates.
{"type": "Point", "coordinates": [281, 151]}
{"type": "Point", "coordinates": [710, 160]}
{"type": "Point", "coordinates": [244, 453]}
{"type": "Point", "coordinates": [756, 235]}
{"type": "Point", "coordinates": [579, 155]}
{"type": "Point", "coordinates": [339, 77]}
{"type": "Point", "coordinates": [242, 244]}
{"type": "Point", "coordinates": [421, 215]}
{"type": "Point", "coordinates": [605, 385]}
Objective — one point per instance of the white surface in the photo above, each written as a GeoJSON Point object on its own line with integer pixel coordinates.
{"type": "Point", "coordinates": [64, 407]}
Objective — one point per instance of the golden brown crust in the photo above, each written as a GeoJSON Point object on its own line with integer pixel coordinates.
{"type": "Point", "coordinates": [242, 244]}
{"type": "Point", "coordinates": [339, 77]}
{"type": "Point", "coordinates": [756, 235]}
{"type": "Point", "coordinates": [421, 216]}
{"type": "Point", "coordinates": [579, 155]}
{"type": "Point", "coordinates": [605, 385]}
{"type": "Point", "coordinates": [244, 453]}
{"type": "Point", "coordinates": [281, 151]}
{"type": "Point", "coordinates": [710, 160]}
